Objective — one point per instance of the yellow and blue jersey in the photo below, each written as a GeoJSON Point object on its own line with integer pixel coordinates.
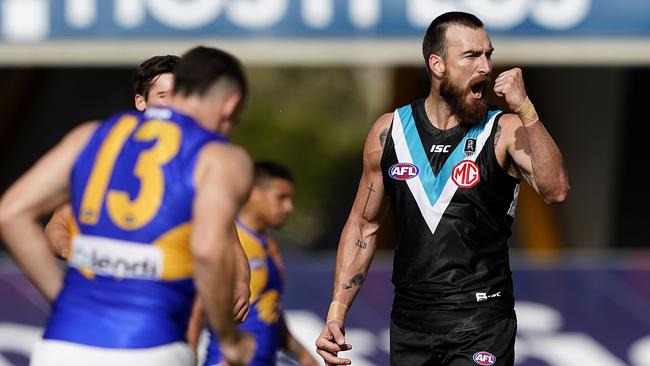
{"type": "Point", "coordinates": [129, 279]}
{"type": "Point", "coordinates": [267, 280]}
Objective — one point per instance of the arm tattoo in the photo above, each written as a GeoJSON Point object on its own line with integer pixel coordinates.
{"type": "Point", "coordinates": [497, 135]}
{"type": "Point", "coordinates": [370, 190]}
{"type": "Point", "coordinates": [362, 244]}
{"type": "Point", "coordinates": [357, 280]}
{"type": "Point", "coordinates": [383, 136]}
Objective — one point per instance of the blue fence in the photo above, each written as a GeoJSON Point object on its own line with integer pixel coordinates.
{"type": "Point", "coordinates": [575, 314]}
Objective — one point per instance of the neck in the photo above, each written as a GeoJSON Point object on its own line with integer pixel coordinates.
{"type": "Point", "coordinates": [250, 219]}
{"type": "Point", "coordinates": [196, 108]}
{"type": "Point", "coordinates": [438, 112]}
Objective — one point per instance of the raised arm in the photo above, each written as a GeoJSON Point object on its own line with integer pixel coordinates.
{"type": "Point", "coordinates": [38, 192]}
{"type": "Point", "coordinates": [357, 244]}
{"type": "Point", "coordinates": [223, 178]}
{"type": "Point", "coordinates": [524, 141]}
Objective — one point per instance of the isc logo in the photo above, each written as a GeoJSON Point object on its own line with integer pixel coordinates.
{"type": "Point", "coordinates": [466, 174]}
{"type": "Point", "coordinates": [484, 358]}
{"type": "Point", "coordinates": [439, 148]}
{"type": "Point", "coordinates": [403, 171]}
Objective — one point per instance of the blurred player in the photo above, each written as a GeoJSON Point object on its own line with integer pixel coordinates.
{"type": "Point", "coordinates": [450, 167]}
{"type": "Point", "coordinates": [153, 81]}
{"type": "Point", "coordinates": [269, 204]}
{"type": "Point", "coordinates": [154, 196]}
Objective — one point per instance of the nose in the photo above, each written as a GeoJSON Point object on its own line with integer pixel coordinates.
{"type": "Point", "coordinates": [289, 206]}
{"type": "Point", "coordinates": [485, 65]}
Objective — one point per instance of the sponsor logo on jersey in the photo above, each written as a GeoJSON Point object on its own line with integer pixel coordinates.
{"type": "Point", "coordinates": [466, 174]}
{"type": "Point", "coordinates": [403, 171]}
{"type": "Point", "coordinates": [158, 113]}
{"type": "Point", "coordinates": [483, 296]}
{"type": "Point", "coordinates": [257, 263]}
{"type": "Point", "coordinates": [440, 148]}
{"type": "Point", "coordinates": [470, 147]}
{"type": "Point", "coordinates": [484, 358]}
{"type": "Point", "coordinates": [120, 259]}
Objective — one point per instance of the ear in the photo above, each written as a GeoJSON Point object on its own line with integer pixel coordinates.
{"type": "Point", "coordinates": [437, 65]}
{"type": "Point", "coordinates": [229, 105]}
{"type": "Point", "coordinates": [140, 102]}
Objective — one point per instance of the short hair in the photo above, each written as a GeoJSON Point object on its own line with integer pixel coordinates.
{"type": "Point", "coordinates": [265, 170]}
{"type": "Point", "coordinates": [435, 37]}
{"type": "Point", "coordinates": [145, 74]}
{"type": "Point", "coordinates": [201, 67]}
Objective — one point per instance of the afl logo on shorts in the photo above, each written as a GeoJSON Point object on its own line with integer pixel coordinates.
{"type": "Point", "coordinates": [466, 174]}
{"type": "Point", "coordinates": [484, 358]}
{"type": "Point", "coordinates": [403, 171]}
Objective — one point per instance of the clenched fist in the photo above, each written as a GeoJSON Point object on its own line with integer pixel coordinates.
{"type": "Point", "coordinates": [510, 85]}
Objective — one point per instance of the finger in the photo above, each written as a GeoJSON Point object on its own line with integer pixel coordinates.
{"type": "Point", "coordinates": [241, 315]}
{"type": "Point", "coordinates": [327, 345]}
{"type": "Point", "coordinates": [336, 332]}
{"type": "Point", "coordinates": [498, 89]}
{"type": "Point", "coordinates": [333, 347]}
{"type": "Point", "coordinates": [330, 359]}
{"type": "Point", "coordinates": [241, 307]}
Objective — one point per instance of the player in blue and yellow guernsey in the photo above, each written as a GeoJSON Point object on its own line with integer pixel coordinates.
{"type": "Point", "coordinates": [449, 166]}
{"type": "Point", "coordinates": [154, 196]}
{"type": "Point", "coordinates": [270, 203]}
{"type": "Point", "coordinates": [153, 82]}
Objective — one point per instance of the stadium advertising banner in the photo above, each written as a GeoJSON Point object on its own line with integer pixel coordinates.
{"type": "Point", "coordinates": [376, 22]}
{"type": "Point", "coordinates": [568, 315]}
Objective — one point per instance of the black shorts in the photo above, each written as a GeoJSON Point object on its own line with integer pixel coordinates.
{"type": "Point", "coordinates": [491, 344]}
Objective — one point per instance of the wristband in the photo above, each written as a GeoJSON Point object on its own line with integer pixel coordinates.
{"type": "Point", "coordinates": [527, 113]}
{"type": "Point", "coordinates": [337, 311]}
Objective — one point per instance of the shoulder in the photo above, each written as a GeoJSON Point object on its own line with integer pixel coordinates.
{"type": "Point", "coordinates": [224, 153]}
{"type": "Point", "coordinates": [80, 135]}
{"type": "Point", "coordinates": [224, 161]}
{"type": "Point", "coordinates": [382, 123]}
{"type": "Point", "coordinates": [379, 130]}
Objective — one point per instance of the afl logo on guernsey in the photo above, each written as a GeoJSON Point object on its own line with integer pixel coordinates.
{"type": "Point", "coordinates": [466, 174]}
{"type": "Point", "coordinates": [403, 171]}
{"type": "Point", "coordinates": [484, 358]}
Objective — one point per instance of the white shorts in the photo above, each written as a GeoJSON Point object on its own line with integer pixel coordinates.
{"type": "Point", "coordinates": [59, 353]}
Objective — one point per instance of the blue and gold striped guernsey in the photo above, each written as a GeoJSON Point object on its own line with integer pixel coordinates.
{"type": "Point", "coordinates": [453, 206]}
{"type": "Point", "coordinates": [129, 280]}
{"type": "Point", "coordinates": [267, 278]}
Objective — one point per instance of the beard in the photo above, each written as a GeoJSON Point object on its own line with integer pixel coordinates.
{"type": "Point", "coordinates": [455, 97]}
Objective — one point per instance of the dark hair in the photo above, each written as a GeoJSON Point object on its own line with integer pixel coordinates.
{"type": "Point", "coordinates": [268, 169]}
{"type": "Point", "coordinates": [201, 67]}
{"type": "Point", "coordinates": [145, 75]}
{"type": "Point", "coordinates": [434, 38]}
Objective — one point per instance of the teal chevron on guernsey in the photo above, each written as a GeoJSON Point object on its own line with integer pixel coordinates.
{"type": "Point", "coordinates": [433, 193]}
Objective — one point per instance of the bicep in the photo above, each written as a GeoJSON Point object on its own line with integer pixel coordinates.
{"type": "Point", "coordinates": [370, 201]}
{"type": "Point", "coordinates": [516, 142]}
{"type": "Point", "coordinates": [221, 186]}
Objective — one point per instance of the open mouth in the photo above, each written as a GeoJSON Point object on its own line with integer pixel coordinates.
{"type": "Point", "coordinates": [477, 89]}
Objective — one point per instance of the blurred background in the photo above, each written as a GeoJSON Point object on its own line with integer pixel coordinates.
{"type": "Point", "coordinates": [321, 72]}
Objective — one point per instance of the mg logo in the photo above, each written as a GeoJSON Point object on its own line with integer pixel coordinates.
{"type": "Point", "coordinates": [484, 358]}
{"type": "Point", "coordinates": [466, 174]}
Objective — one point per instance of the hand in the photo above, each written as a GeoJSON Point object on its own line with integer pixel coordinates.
{"type": "Point", "coordinates": [330, 342]}
{"type": "Point", "coordinates": [239, 349]}
{"type": "Point", "coordinates": [510, 85]}
{"type": "Point", "coordinates": [242, 302]}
